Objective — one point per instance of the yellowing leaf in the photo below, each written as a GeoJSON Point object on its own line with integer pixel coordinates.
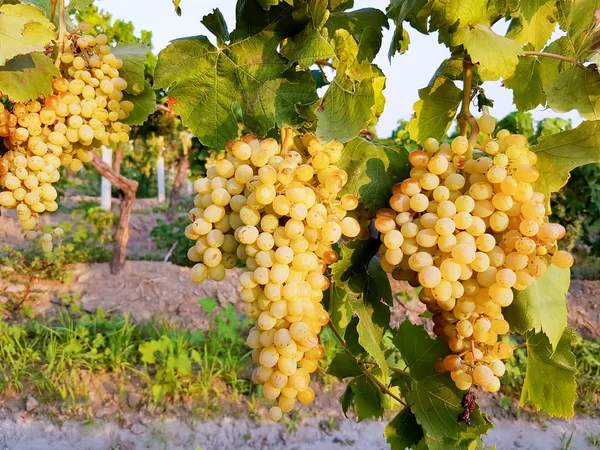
{"type": "Point", "coordinates": [535, 23]}
{"type": "Point", "coordinates": [370, 335]}
{"type": "Point", "coordinates": [496, 55]}
{"type": "Point", "coordinates": [435, 110]}
{"type": "Point", "coordinates": [23, 29]}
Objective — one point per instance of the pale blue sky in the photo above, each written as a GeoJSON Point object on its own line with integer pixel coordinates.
{"type": "Point", "coordinates": [405, 74]}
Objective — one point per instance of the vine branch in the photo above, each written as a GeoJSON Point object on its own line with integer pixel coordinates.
{"type": "Point", "coordinates": [382, 387]}
{"type": "Point", "coordinates": [517, 347]}
{"type": "Point", "coordinates": [62, 28]}
{"type": "Point", "coordinates": [322, 63]}
{"type": "Point", "coordinates": [551, 55]}
{"type": "Point", "coordinates": [465, 117]}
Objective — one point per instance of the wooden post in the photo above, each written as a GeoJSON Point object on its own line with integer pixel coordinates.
{"type": "Point", "coordinates": [105, 190]}
{"type": "Point", "coordinates": [160, 173]}
{"type": "Point", "coordinates": [129, 188]}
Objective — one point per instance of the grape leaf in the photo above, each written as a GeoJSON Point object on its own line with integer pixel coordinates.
{"type": "Point", "coordinates": [345, 109]}
{"type": "Point", "coordinates": [340, 5]}
{"type": "Point", "coordinates": [578, 19]}
{"type": "Point", "coordinates": [403, 431]}
{"type": "Point", "coordinates": [266, 4]}
{"type": "Point", "coordinates": [560, 153]}
{"type": "Point", "coordinates": [535, 23]}
{"type": "Point", "coordinates": [26, 77]}
{"type": "Point", "coordinates": [360, 274]}
{"type": "Point", "coordinates": [308, 47]}
{"type": "Point", "coordinates": [23, 29]}
{"type": "Point", "coordinates": [78, 5]}
{"type": "Point", "coordinates": [528, 80]}
{"type": "Point", "coordinates": [542, 307]}
{"type": "Point", "coordinates": [576, 88]}
{"type": "Point", "coordinates": [433, 398]}
{"type": "Point", "coordinates": [375, 169]}
{"type": "Point", "coordinates": [343, 366]}
{"type": "Point", "coordinates": [337, 302]}
{"type": "Point", "coordinates": [365, 25]}
{"type": "Point", "coordinates": [46, 6]}
{"type": "Point", "coordinates": [465, 12]}
{"type": "Point", "coordinates": [399, 11]}
{"type": "Point", "coordinates": [550, 376]}
{"type": "Point", "coordinates": [435, 110]}
{"type": "Point", "coordinates": [370, 335]}
{"type": "Point", "coordinates": [206, 83]}
{"type": "Point", "coordinates": [144, 105]}
{"type": "Point", "coordinates": [215, 23]}
{"type": "Point", "coordinates": [133, 56]}
{"type": "Point", "coordinates": [496, 55]}
{"type": "Point", "coordinates": [366, 398]}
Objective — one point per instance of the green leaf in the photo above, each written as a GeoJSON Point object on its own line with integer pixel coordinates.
{"type": "Point", "coordinates": [346, 400]}
{"type": "Point", "coordinates": [366, 398]}
{"type": "Point", "coordinates": [144, 104]}
{"type": "Point", "coordinates": [496, 55]}
{"type": "Point", "coordinates": [206, 83]}
{"type": "Point", "coordinates": [535, 23]}
{"type": "Point", "coordinates": [182, 363]}
{"type": "Point", "coordinates": [78, 5]}
{"type": "Point", "coordinates": [208, 304]}
{"type": "Point", "coordinates": [399, 11]}
{"type": "Point", "coordinates": [375, 169]}
{"type": "Point", "coordinates": [578, 19]}
{"type": "Point", "coordinates": [542, 307]}
{"type": "Point", "coordinates": [345, 110]}
{"type": "Point", "coordinates": [359, 273]}
{"type": "Point", "coordinates": [370, 335]}
{"type": "Point", "coordinates": [560, 153]}
{"type": "Point", "coordinates": [403, 431]}
{"type": "Point", "coordinates": [215, 23]}
{"type": "Point", "coordinates": [344, 366]}
{"type": "Point", "coordinates": [147, 349]}
{"type": "Point", "coordinates": [308, 47]}
{"type": "Point", "coordinates": [435, 110]}
{"type": "Point", "coordinates": [133, 56]}
{"type": "Point", "coordinates": [266, 4]}
{"type": "Point", "coordinates": [576, 88]}
{"type": "Point", "coordinates": [366, 27]}
{"type": "Point", "coordinates": [27, 77]}
{"type": "Point", "coordinates": [465, 12]}
{"type": "Point", "coordinates": [337, 302]}
{"type": "Point", "coordinates": [528, 80]}
{"type": "Point", "coordinates": [550, 377]}
{"type": "Point", "coordinates": [23, 29]}
{"type": "Point", "coordinates": [433, 398]}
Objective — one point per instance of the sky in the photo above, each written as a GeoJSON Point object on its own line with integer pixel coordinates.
{"type": "Point", "coordinates": [406, 74]}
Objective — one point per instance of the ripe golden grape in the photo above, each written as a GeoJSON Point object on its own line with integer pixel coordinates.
{"type": "Point", "coordinates": [470, 231]}
{"type": "Point", "coordinates": [83, 112]}
{"type": "Point", "coordinates": [275, 208]}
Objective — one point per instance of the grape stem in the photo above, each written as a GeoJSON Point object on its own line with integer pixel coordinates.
{"type": "Point", "coordinates": [382, 388]}
{"type": "Point", "coordinates": [322, 63]}
{"type": "Point", "coordinates": [517, 347]}
{"type": "Point", "coordinates": [465, 117]}
{"type": "Point", "coordinates": [62, 28]}
{"type": "Point", "coordinates": [552, 55]}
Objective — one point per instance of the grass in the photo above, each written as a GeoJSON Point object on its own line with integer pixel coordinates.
{"type": "Point", "coordinates": [48, 357]}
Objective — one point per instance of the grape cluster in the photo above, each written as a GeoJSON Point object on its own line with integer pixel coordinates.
{"type": "Point", "coordinates": [276, 208]}
{"type": "Point", "coordinates": [470, 230]}
{"type": "Point", "coordinates": [82, 113]}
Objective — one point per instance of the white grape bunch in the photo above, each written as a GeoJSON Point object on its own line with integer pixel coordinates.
{"type": "Point", "coordinates": [83, 112]}
{"type": "Point", "coordinates": [470, 231]}
{"type": "Point", "coordinates": [276, 209]}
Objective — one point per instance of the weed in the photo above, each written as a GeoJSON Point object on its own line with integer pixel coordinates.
{"type": "Point", "coordinates": [165, 235]}
{"type": "Point", "coordinates": [565, 442]}
{"type": "Point", "coordinates": [593, 439]}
